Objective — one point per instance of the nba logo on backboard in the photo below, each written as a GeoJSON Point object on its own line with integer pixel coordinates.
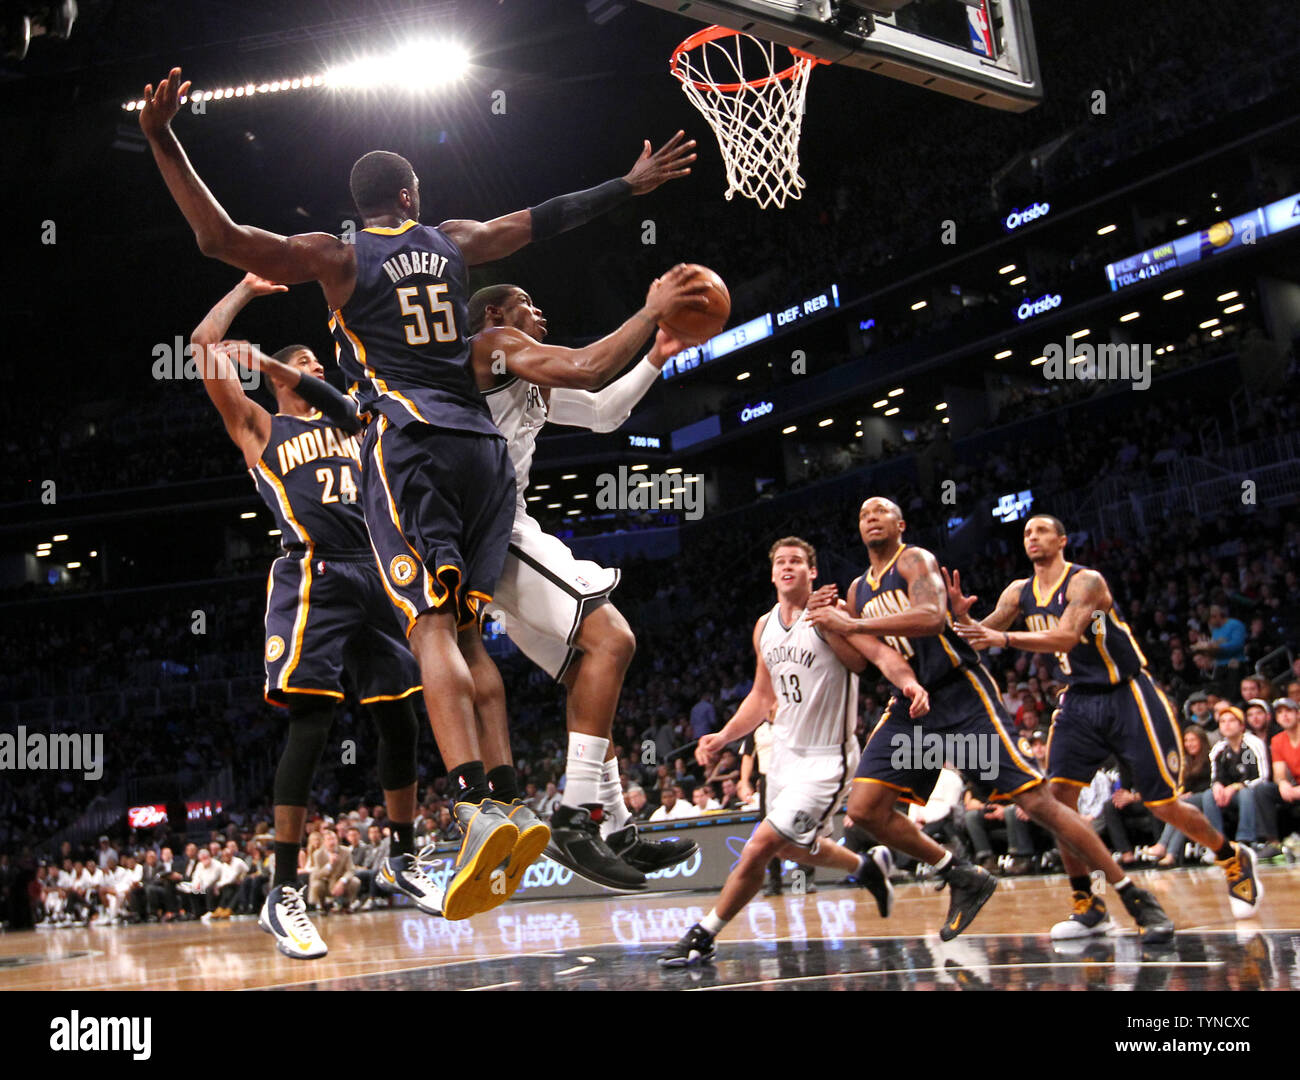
{"type": "Point", "coordinates": [981, 39]}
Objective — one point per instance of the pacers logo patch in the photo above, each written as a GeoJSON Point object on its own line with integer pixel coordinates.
{"type": "Point", "coordinates": [1172, 760]}
{"type": "Point", "coordinates": [274, 647]}
{"type": "Point", "coordinates": [402, 570]}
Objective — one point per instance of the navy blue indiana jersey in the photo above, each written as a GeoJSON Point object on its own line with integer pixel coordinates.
{"type": "Point", "coordinates": [1107, 653]}
{"type": "Point", "coordinates": [308, 475]}
{"type": "Point", "coordinates": [932, 658]}
{"type": "Point", "coordinates": [400, 340]}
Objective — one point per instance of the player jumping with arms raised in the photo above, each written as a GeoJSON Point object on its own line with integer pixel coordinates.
{"type": "Point", "coordinates": [437, 487]}
{"type": "Point", "coordinates": [902, 598]}
{"type": "Point", "coordinates": [811, 679]}
{"type": "Point", "coordinates": [557, 608]}
{"type": "Point", "coordinates": [326, 610]}
{"type": "Point", "coordinates": [1111, 705]}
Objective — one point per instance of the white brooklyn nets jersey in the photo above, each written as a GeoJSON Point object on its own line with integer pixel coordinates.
{"type": "Point", "coordinates": [519, 412]}
{"type": "Point", "coordinates": [817, 696]}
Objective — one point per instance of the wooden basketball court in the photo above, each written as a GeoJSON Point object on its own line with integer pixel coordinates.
{"type": "Point", "coordinates": [831, 939]}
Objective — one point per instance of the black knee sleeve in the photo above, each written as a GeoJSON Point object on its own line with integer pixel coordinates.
{"type": "Point", "coordinates": [309, 728]}
{"type": "Point", "coordinates": [399, 731]}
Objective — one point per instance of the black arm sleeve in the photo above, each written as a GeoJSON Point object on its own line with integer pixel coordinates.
{"type": "Point", "coordinates": [337, 407]}
{"type": "Point", "coordinates": [566, 212]}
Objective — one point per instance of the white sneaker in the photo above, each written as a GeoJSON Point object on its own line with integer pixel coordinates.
{"type": "Point", "coordinates": [407, 874]}
{"type": "Point", "coordinates": [284, 917]}
{"type": "Point", "coordinates": [1089, 919]}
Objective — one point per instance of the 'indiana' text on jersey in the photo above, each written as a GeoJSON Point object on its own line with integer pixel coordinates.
{"type": "Point", "coordinates": [1107, 653]}
{"type": "Point", "coordinates": [932, 658]}
{"type": "Point", "coordinates": [400, 339]}
{"type": "Point", "coordinates": [308, 476]}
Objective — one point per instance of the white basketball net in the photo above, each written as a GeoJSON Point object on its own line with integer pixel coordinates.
{"type": "Point", "coordinates": [756, 115]}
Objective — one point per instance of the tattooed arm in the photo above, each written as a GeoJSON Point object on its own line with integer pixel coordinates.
{"type": "Point", "coordinates": [1086, 597]}
{"type": "Point", "coordinates": [926, 594]}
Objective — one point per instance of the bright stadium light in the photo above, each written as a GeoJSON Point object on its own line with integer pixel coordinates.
{"type": "Point", "coordinates": [1228, 296]}
{"type": "Point", "coordinates": [1018, 280]}
{"type": "Point", "coordinates": [878, 404]}
{"type": "Point", "coordinates": [1002, 355]}
{"type": "Point", "coordinates": [826, 423]}
{"type": "Point", "coordinates": [1007, 269]}
{"type": "Point", "coordinates": [1106, 229]}
{"type": "Point", "coordinates": [891, 412]}
{"type": "Point", "coordinates": [553, 506]}
{"type": "Point", "coordinates": [541, 487]}
{"type": "Point", "coordinates": [1172, 295]}
{"type": "Point", "coordinates": [640, 468]}
{"type": "Point", "coordinates": [1232, 308]}
{"type": "Point", "coordinates": [941, 406]}
{"type": "Point", "coordinates": [673, 472]}
{"type": "Point", "coordinates": [895, 392]}
{"type": "Point", "coordinates": [1130, 316]}
{"type": "Point", "coordinates": [789, 429]}
{"type": "Point", "coordinates": [918, 305]}
{"type": "Point", "coordinates": [1208, 323]}
{"type": "Point", "coordinates": [421, 65]}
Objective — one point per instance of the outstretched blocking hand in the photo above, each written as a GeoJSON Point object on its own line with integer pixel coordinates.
{"type": "Point", "coordinates": [162, 104]}
{"type": "Point", "coordinates": [670, 161]}
{"type": "Point", "coordinates": [958, 604]}
{"type": "Point", "coordinates": [259, 286]}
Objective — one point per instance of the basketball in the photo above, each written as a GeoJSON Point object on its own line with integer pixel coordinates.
{"type": "Point", "coordinates": [692, 325]}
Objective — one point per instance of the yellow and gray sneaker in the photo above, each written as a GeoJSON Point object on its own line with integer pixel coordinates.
{"type": "Point", "coordinates": [1088, 919]}
{"type": "Point", "coordinates": [534, 835]}
{"type": "Point", "coordinates": [1244, 888]}
{"type": "Point", "coordinates": [477, 881]}
{"type": "Point", "coordinates": [284, 917]}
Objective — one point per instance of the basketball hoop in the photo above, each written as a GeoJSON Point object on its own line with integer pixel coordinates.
{"type": "Point", "coordinates": [754, 107]}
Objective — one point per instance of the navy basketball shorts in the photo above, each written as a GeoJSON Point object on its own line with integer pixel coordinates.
{"type": "Point", "coordinates": [327, 615]}
{"type": "Point", "coordinates": [967, 726]}
{"type": "Point", "coordinates": [1133, 721]}
{"type": "Point", "coordinates": [439, 507]}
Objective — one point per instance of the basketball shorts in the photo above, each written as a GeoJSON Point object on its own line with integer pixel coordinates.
{"type": "Point", "coordinates": [1133, 721]}
{"type": "Point", "coordinates": [805, 788]}
{"type": "Point", "coordinates": [544, 593]}
{"type": "Point", "coordinates": [325, 616]}
{"type": "Point", "coordinates": [439, 506]}
{"type": "Point", "coordinates": [967, 726]}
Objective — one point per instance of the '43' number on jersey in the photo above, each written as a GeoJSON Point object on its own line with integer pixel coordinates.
{"type": "Point", "coordinates": [788, 685]}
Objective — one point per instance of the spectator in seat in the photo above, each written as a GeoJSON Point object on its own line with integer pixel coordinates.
{"type": "Point", "coordinates": [374, 852]}
{"type": "Point", "coordinates": [637, 804]}
{"type": "Point", "coordinates": [1226, 646]}
{"type": "Point", "coordinates": [727, 768]}
{"type": "Point", "coordinates": [704, 717]}
{"type": "Point", "coordinates": [233, 872]}
{"type": "Point", "coordinates": [1168, 850]}
{"type": "Point", "coordinates": [672, 805]}
{"type": "Point", "coordinates": [703, 801]}
{"type": "Point", "coordinates": [332, 877]}
{"type": "Point", "coordinates": [1259, 722]}
{"type": "Point", "coordinates": [1278, 799]}
{"type": "Point", "coordinates": [203, 886]}
{"type": "Point", "coordinates": [1236, 766]}
{"type": "Point", "coordinates": [730, 795]}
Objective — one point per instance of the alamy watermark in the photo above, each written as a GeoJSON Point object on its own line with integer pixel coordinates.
{"type": "Point", "coordinates": [928, 750]}
{"type": "Point", "coordinates": [38, 752]}
{"type": "Point", "coordinates": [178, 360]}
{"type": "Point", "coordinates": [1125, 363]}
{"type": "Point", "coordinates": [649, 492]}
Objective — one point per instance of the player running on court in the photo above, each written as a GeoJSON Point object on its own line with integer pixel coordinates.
{"type": "Point", "coordinates": [811, 679]}
{"type": "Point", "coordinates": [902, 598]}
{"type": "Point", "coordinates": [326, 610]}
{"type": "Point", "coordinates": [436, 486]}
{"type": "Point", "coordinates": [1111, 705]}
{"type": "Point", "coordinates": [556, 608]}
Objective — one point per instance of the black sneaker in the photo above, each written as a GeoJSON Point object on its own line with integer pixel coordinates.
{"type": "Point", "coordinates": [576, 843]}
{"type": "Point", "coordinates": [877, 865]}
{"type": "Point", "coordinates": [970, 888]}
{"type": "Point", "coordinates": [649, 855]}
{"type": "Point", "coordinates": [695, 947]}
{"type": "Point", "coordinates": [1154, 926]}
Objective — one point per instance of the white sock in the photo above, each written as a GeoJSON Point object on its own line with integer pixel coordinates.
{"type": "Point", "coordinates": [611, 798]}
{"type": "Point", "coordinates": [585, 763]}
{"type": "Point", "coordinates": [713, 922]}
{"type": "Point", "coordinates": [942, 864]}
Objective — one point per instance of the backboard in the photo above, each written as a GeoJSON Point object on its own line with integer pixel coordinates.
{"type": "Point", "coordinates": [979, 50]}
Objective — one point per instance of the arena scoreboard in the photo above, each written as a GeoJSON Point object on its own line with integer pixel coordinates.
{"type": "Point", "coordinates": [1239, 231]}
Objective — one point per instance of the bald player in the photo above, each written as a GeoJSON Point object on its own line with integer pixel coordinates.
{"type": "Point", "coordinates": [1111, 705]}
{"type": "Point", "coordinates": [902, 598]}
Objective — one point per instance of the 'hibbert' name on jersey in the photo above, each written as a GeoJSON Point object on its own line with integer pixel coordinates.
{"type": "Point", "coordinates": [409, 263]}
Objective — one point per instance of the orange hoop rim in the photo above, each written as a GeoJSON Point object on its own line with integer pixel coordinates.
{"type": "Point", "coordinates": [713, 33]}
